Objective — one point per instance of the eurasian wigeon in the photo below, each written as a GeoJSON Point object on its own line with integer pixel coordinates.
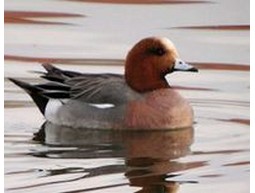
{"type": "Point", "coordinates": [141, 99]}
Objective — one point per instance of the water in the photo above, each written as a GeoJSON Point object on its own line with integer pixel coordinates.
{"type": "Point", "coordinates": [213, 156]}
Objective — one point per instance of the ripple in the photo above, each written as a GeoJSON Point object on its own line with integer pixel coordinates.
{"type": "Point", "coordinates": [28, 17]}
{"type": "Point", "coordinates": [144, 1]}
{"type": "Point", "coordinates": [118, 62]}
{"type": "Point", "coordinates": [217, 27]}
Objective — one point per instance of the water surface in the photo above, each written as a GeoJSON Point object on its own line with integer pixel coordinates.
{"type": "Point", "coordinates": [213, 156]}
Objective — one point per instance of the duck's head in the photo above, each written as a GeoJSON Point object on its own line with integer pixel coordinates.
{"type": "Point", "coordinates": [149, 61]}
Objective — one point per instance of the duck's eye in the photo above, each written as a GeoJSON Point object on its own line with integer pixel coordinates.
{"type": "Point", "coordinates": [158, 51]}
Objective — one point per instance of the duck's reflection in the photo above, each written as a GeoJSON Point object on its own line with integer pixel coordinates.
{"type": "Point", "coordinates": [150, 156]}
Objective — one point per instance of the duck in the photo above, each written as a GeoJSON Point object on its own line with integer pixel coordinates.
{"type": "Point", "coordinates": [139, 99]}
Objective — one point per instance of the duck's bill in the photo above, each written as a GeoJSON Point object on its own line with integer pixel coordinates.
{"type": "Point", "coordinates": [183, 66]}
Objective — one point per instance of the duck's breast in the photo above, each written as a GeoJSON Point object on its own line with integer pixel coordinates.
{"type": "Point", "coordinates": [160, 109]}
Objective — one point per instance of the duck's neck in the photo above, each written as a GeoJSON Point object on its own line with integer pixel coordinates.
{"type": "Point", "coordinates": [145, 81]}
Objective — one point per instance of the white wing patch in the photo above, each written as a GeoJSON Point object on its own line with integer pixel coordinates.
{"type": "Point", "coordinates": [102, 105]}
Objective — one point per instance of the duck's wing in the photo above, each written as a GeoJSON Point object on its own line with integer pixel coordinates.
{"type": "Point", "coordinates": [91, 88]}
{"type": "Point", "coordinates": [88, 88]}
{"type": "Point", "coordinates": [99, 88]}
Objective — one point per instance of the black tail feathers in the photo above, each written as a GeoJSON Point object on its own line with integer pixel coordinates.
{"type": "Point", "coordinates": [35, 93]}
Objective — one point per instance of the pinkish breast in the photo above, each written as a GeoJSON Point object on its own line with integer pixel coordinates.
{"type": "Point", "coordinates": [160, 109]}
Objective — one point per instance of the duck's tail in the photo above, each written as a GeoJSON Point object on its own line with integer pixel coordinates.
{"type": "Point", "coordinates": [35, 93]}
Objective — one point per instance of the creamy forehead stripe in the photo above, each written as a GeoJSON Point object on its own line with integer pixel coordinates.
{"type": "Point", "coordinates": [167, 42]}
